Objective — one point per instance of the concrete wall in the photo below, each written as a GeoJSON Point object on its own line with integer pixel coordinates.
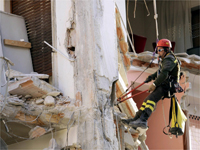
{"type": "Point", "coordinates": [63, 71]}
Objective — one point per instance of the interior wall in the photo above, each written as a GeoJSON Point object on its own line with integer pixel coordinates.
{"type": "Point", "coordinates": [43, 141]}
{"type": "Point", "coordinates": [137, 23]}
{"type": "Point", "coordinates": [7, 6]}
{"type": "Point", "coordinates": [2, 3]}
{"type": "Point", "coordinates": [195, 3]}
{"type": "Point", "coordinates": [144, 25]}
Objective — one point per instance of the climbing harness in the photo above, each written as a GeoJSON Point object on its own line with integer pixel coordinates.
{"type": "Point", "coordinates": [177, 119]}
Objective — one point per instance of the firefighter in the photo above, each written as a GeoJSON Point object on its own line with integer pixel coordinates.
{"type": "Point", "coordinates": [166, 79]}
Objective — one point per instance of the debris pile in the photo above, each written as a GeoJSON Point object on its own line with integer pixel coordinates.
{"type": "Point", "coordinates": [36, 103]}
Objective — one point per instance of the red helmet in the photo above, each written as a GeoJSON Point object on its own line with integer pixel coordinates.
{"type": "Point", "coordinates": [164, 43]}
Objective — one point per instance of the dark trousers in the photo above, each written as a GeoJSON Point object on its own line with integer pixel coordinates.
{"type": "Point", "coordinates": [151, 100]}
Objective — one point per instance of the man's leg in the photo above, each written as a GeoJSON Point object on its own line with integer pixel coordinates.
{"type": "Point", "coordinates": [148, 107]}
{"type": "Point", "coordinates": [137, 115]}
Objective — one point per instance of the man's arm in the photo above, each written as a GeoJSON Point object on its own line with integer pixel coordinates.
{"type": "Point", "coordinates": [167, 66]}
{"type": "Point", "coordinates": [151, 77]}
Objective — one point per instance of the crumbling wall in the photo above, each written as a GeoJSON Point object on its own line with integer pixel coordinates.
{"type": "Point", "coordinates": [96, 68]}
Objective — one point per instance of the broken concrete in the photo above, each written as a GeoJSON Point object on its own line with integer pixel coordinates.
{"type": "Point", "coordinates": [30, 86]}
{"type": "Point", "coordinates": [53, 93]}
{"type": "Point", "coordinates": [39, 101]}
{"type": "Point", "coordinates": [36, 132]}
{"type": "Point", "coordinates": [49, 101]}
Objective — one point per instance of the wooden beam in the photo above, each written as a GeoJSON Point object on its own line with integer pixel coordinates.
{"type": "Point", "coordinates": [17, 43]}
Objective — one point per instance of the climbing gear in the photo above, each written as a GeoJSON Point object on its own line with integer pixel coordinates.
{"type": "Point", "coordinates": [164, 43]}
{"type": "Point", "coordinates": [120, 99]}
{"type": "Point", "coordinates": [177, 119]}
{"type": "Point", "coordinates": [148, 79]}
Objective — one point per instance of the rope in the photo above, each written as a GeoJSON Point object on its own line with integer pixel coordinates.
{"type": "Point", "coordinates": [135, 8]}
{"type": "Point", "coordinates": [155, 17]}
{"type": "Point", "coordinates": [165, 120]}
{"type": "Point", "coordinates": [147, 8]}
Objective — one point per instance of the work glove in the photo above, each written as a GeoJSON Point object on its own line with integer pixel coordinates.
{"type": "Point", "coordinates": [152, 87]}
{"type": "Point", "coordinates": [148, 79]}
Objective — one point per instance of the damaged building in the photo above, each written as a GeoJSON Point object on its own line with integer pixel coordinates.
{"type": "Point", "coordinates": [65, 64]}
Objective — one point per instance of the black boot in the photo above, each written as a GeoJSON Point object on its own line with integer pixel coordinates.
{"type": "Point", "coordinates": [140, 122]}
{"type": "Point", "coordinates": [137, 115]}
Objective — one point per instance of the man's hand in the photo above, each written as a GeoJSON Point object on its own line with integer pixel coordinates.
{"type": "Point", "coordinates": [148, 79]}
{"type": "Point", "coordinates": [152, 87]}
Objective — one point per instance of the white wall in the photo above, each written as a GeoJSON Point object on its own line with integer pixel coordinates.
{"type": "Point", "coordinates": [63, 71]}
{"type": "Point", "coordinates": [43, 141]}
{"type": "Point", "coordinates": [2, 3]}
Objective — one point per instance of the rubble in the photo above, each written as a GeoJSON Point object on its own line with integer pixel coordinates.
{"type": "Point", "coordinates": [49, 101]}
{"type": "Point", "coordinates": [39, 101]}
{"type": "Point", "coordinates": [15, 101]}
{"type": "Point", "coordinates": [36, 132]}
{"type": "Point", "coordinates": [37, 104]}
{"type": "Point", "coordinates": [53, 93]}
{"type": "Point", "coordinates": [30, 86]}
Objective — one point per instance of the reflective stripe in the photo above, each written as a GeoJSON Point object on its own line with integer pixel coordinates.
{"type": "Point", "coordinates": [144, 104]}
{"type": "Point", "coordinates": [150, 107]}
{"type": "Point", "coordinates": [142, 108]}
{"type": "Point", "coordinates": [151, 102]}
{"type": "Point", "coordinates": [175, 61]}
